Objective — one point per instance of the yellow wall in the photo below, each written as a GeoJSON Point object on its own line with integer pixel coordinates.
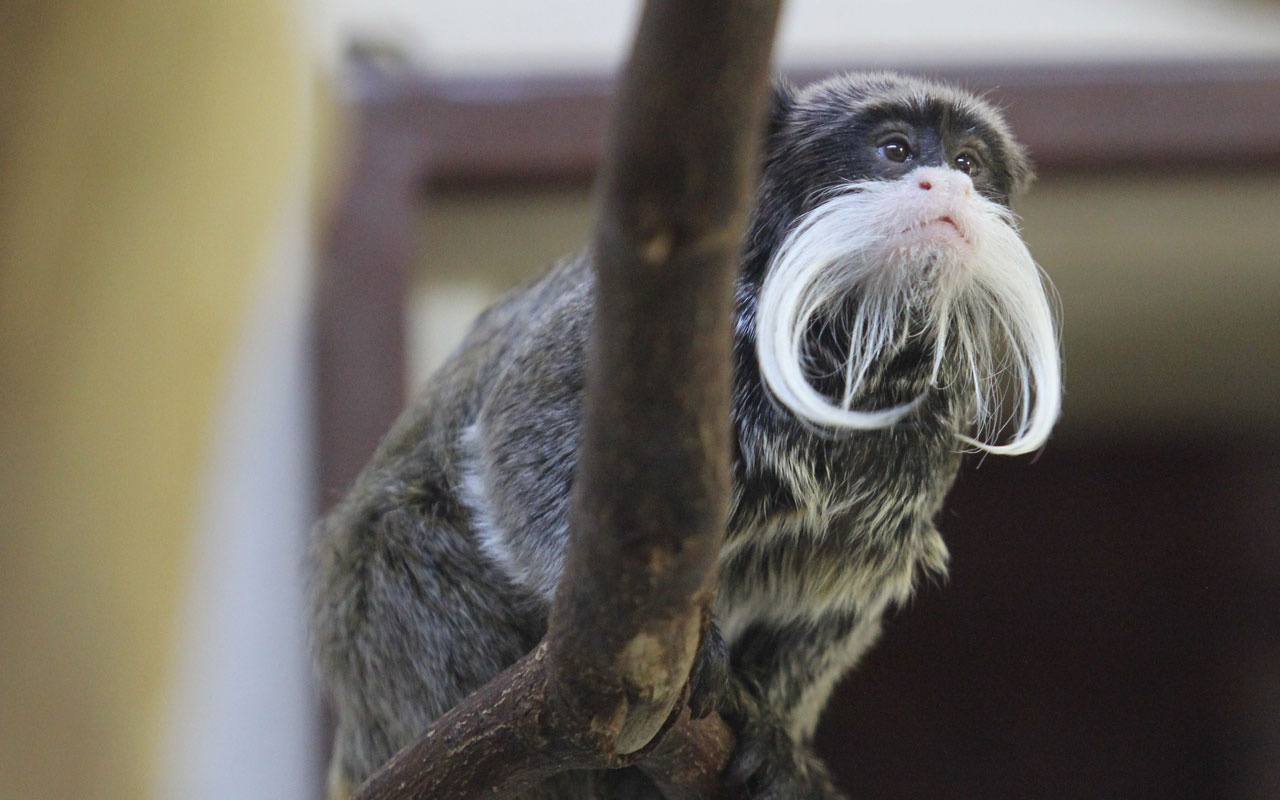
{"type": "Point", "coordinates": [143, 148]}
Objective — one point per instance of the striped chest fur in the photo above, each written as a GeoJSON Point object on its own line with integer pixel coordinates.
{"type": "Point", "coordinates": [833, 527]}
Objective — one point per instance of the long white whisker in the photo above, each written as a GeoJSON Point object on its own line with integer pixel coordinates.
{"type": "Point", "coordinates": [987, 315]}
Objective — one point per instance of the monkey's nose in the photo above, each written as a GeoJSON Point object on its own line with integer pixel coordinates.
{"type": "Point", "coordinates": [944, 180]}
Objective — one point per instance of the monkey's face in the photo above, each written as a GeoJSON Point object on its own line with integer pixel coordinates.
{"type": "Point", "coordinates": [899, 240]}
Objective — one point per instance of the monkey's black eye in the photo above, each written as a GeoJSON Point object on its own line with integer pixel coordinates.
{"type": "Point", "coordinates": [896, 149]}
{"type": "Point", "coordinates": [968, 163]}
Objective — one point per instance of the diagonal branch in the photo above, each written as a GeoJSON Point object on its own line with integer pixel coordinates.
{"type": "Point", "coordinates": [606, 686]}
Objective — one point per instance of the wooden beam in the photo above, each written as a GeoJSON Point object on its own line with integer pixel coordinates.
{"type": "Point", "coordinates": [1152, 115]}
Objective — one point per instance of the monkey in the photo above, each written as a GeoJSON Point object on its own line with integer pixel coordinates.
{"type": "Point", "coordinates": [888, 319]}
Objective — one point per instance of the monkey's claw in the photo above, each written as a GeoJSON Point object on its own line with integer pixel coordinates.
{"type": "Point", "coordinates": [710, 674]}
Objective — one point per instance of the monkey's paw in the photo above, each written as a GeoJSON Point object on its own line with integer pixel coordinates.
{"type": "Point", "coordinates": [768, 765]}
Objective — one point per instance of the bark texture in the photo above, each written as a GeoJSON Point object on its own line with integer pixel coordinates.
{"type": "Point", "coordinates": [607, 686]}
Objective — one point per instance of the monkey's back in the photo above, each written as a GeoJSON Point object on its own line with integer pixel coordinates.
{"type": "Point", "coordinates": [408, 615]}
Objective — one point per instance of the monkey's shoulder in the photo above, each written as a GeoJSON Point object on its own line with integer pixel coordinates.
{"type": "Point", "coordinates": [522, 352]}
{"type": "Point", "coordinates": [529, 338]}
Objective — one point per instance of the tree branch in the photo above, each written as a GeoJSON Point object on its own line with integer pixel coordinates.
{"type": "Point", "coordinates": [653, 470]}
{"type": "Point", "coordinates": [606, 686]}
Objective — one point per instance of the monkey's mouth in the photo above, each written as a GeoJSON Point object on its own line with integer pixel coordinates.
{"type": "Point", "coordinates": [936, 228]}
{"type": "Point", "coordinates": [946, 220]}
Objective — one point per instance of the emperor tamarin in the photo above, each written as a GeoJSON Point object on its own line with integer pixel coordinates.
{"type": "Point", "coordinates": [888, 319]}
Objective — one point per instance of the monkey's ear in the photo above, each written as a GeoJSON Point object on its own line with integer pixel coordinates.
{"type": "Point", "coordinates": [781, 100]}
{"type": "Point", "coordinates": [1022, 172]}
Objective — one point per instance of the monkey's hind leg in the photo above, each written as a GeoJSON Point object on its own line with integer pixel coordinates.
{"type": "Point", "coordinates": [413, 619]}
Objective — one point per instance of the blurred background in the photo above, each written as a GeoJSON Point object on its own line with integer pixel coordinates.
{"type": "Point", "coordinates": [234, 236]}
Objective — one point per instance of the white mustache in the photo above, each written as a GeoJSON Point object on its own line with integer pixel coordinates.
{"type": "Point", "coordinates": [928, 243]}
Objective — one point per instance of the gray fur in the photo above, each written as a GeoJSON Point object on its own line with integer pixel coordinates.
{"type": "Point", "coordinates": [436, 571]}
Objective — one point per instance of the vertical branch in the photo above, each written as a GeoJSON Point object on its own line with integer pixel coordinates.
{"type": "Point", "coordinates": [605, 687]}
{"type": "Point", "coordinates": [653, 472]}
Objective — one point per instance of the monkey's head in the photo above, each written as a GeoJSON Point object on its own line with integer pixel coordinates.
{"type": "Point", "coordinates": [884, 254]}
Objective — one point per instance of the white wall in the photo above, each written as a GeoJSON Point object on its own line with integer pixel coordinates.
{"type": "Point", "coordinates": [518, 36]}
{"type": "Point", "coordinates": [243, 718]}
